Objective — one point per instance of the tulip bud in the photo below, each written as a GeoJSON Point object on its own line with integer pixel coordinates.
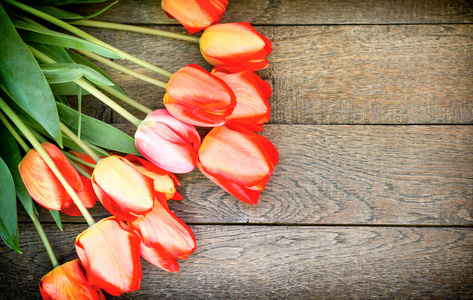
{"type": "Point", "coordinates": [195, 15]}
{"type": "Point", "coordinates": [252, 108]}
{"type": "Point", "coordinates": [68, 282]}
{"type": "Point", "coordinates": [110, 254]}
{"type": "Point", "coordinates": [42, 184]}
{"type": "Point", "coordinates": [196, 97]}
{"type": "Point", "coordinates": [167, 142]}
{"type": "Point", "coordinates": [235, 45]}
{"type": "Point", "coordinates": [238, 160]}
{"type": "Point", "coordinates": [122, 189]}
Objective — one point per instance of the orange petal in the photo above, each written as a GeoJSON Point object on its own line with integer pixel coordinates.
{"type": "Point", "coordinates": [157, 256]}
{"type": "Point", "coordinates": [87, 196]}
{"type": "Point", "coordinates": [67, 170]}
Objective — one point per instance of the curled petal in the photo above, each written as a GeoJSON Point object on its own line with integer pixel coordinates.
{"type": "Point", "coordinates": [87, 196]}
{"type": "Point", "coordinates": [157, 256]}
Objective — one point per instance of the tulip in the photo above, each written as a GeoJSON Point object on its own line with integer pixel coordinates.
{"type": "Point", "coordinates": [87, 197]}
{"type": "Point", "coordinates": [167, 142]}
{"type": "Point", "coordinates": [195, 15]}
{"type": "Point", "coordinates": [158, 257]}
{"type": "Point", "coordinates": [196, 97]}
{"type": "Point", "coordinates": [42, 184]}
{"type": "Point", "coordinates": [86, 158]}
{"type": "Point", "coordinates": [122, 189]}
{"type": "Point", "coordinates": [68, 282]}
{"type": "Point", "coordinates": [164, 181]}
{"type": "Point", "coordinates": [110, 254]}
{"type": "Point", "coordinates": [238, 160]}
{"type": "Point", "coordinates": [165, 233]}
{"type": "Point", "coordinates": [236, 45]}
{"type": "Point", "coordinates": [252, 108]}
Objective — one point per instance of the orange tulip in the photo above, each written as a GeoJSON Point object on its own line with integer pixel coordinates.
{"type": "Point", "coordinates": [163, 231]}
{"type": "Point", "coordinates": [68, 282]}
{"type": "Point", "coordinates": [195, 15]}
{"type": "Point", "coordinates": [236, 45]}
{"type": "Point", "coordinates": [164, 181]}
{"type": "Point", "coordinates": [42, 184]}
{"type": "Point", "coordinates": [87, 197]}
{"type": "Point", "coordinates": [159, 257]}
{"type": "Point", "coordinates": [167, 142]}
{"type": "Point", "coordinates": [122, 189]}
{"type": "Point", "coordinates": [110, 254]}
{"type": "Point", "coordinates": [86, 158]}
{"type": "Point", "coordinates": [238, 160]}
{"type": "Point", "coordinates": [252, 108]}
{"type": "Point", "coordinates": [196, 97]}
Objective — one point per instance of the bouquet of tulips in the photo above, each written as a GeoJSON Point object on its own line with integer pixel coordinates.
{"type": "Point", "coordinates": [53, 155]}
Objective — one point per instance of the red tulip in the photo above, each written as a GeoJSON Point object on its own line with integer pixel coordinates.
{"type": "Point", "coordinates": [236, 45]}
{"type": "Point", "coordinates": [238, 160]}
{"type": "Point", "coordinates": [167, 142]}
{"type": "Point", "coordinates": [159, 257]}
{"type": "Point", "coordinates": [87, 196]}
{"type": "Point", "coordinates": [196, 97]}
{"type": "Point", "coordinates": [66, 282]}
{"type": "Point", "coordinates": [122, 189]}
{"type": "Point", "coordinates": [110, 254]}
{"type": "Point", "coordinates": [42, 184]}
{"type": "Point", "coordinates": [163, 231]}
{"type": "Point", "coordinates": [195, 15]}
{"type": "Point", "coordinates": [164, 181]}
{"type": "Point", "coordinates": [252, 108]}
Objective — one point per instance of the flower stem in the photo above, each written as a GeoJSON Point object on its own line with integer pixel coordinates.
{"type": "Point", "coordinates": [47, 159]}
{"type": "Point", "coordinates": [91, 89]}
{"type": "Point", "coordinates": [122, 68]}
{"type": "Point", "coordinates": [45, 241]}
{"type": "Point", "coordinates": [125, 98]}
{"type": "Point", "coordinates": [79, 142]}
{"type": "Point", "coordinates": [123, 27]}
{"type": "Point", "coordinates": [79, 169]}
{"type": "Point", "coordinates": [78, 160]}
{"type": "Point", "coordinates": [86, 36]}
{"type": "Point", "coordinates": [15, 134]}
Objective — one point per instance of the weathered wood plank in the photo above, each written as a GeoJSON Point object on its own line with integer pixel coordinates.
{"type": "Point", "coordinates": [275, 12]}
{"type": "Point", "coordinates": [269, 262]}
{"type": "Point", "coordinates": [336, 74]}
{"type": "Point", "coordinates": [418, 175]}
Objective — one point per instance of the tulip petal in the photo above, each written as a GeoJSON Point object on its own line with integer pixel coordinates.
{"type": "Point", "coordinates": [87, 196]}
{"type": "Point", "coordinates": [61, 162]}
{"type": "Point", "coordinates": [68, 281]}
{"type": "Point", "coordinates": [110, 253]}
{"type": "Point", "coordinates": [157, 256]}
{"type": "Point", "coordinates": [162, 227]}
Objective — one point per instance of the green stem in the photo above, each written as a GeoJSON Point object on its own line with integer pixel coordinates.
{"type": "Point", "coordinates": [79, 169]}
{"type": "Point", "coordinates": [86, 36]}
{"type": "Point", "coordinates": [123, 27]}
{"type": "Point", "coordinates": [91, 89]}
{"type": "Point", "coordinates": [124, 98]}
{"type": "Point", "coordinates": [122, 68]}
{"type": "Point", "coordinates": [47, 159]}
{"type": "Point", "coordinates": [15, 134]}
{"type": "Point", "coordinates": [78, 160]}
{"type": "Point", "coordinates": [79, 142]}
{"type": "Point", "coordinates": [45, 241]}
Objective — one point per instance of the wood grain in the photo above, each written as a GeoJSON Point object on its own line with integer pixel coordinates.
{"type": "Point", "coordinates": [417, 175]}
{"type": "Point", "coordinates": [276, 12]}
{"type": "Point", "coordinates": [281, 262]}
{"type": "Point", "coordinates": [335, 74]}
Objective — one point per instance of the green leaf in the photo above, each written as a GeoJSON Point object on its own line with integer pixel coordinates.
{"type": "Point", "coordinates": [72, 145]}
{"type": "Point", "coordinates": [8, 217]}
{"type": "Point", "coordinates": [100, 11]}
{"type": "Point", "coordinates": [57, 218]}
{"type": "Point", "coordinates": [33, 33]}
{"type": "Point", "coordinates": [11, 155]}
{"type": "Point", "coordinates": [24, 80]}
{"type": "Point", "coordinates": [68, 89]}
{"type": "Point", "coordinates": [62, 73]}
{"type": "Point", "coordinates": [62, 99]}
{"type": "Point", "coordinates": [59, 13]}
{"type": "Point", "coordinates": [84, 61]}
{"type": "Point", "coordinates": [56, 53]}
{"type": "Point", "coordinates": [97, 132]}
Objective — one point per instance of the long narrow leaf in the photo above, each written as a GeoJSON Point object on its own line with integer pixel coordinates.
{"type": "Point", "coordinates": [97, 132]}
{"type": "Point", "coordinates": [57, 218]}
{"type": "Point", "coordinates": [59, 13]}
{"type": "Point", "coordinates": [62, 73]}
{"type": "Point", "coordinates": [22, 77]}
{"type": "Point", "coordinates": [60, 2]}
{"type": "Point", "coordinates": [8, 216]}
{"type": "Point", "coordinates": [33, 33]}
{"type": "Point", "coordinates": [100, 11]}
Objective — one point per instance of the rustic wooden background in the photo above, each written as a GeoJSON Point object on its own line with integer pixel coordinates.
{"type": "Point", "coordinates": [372, 109]}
